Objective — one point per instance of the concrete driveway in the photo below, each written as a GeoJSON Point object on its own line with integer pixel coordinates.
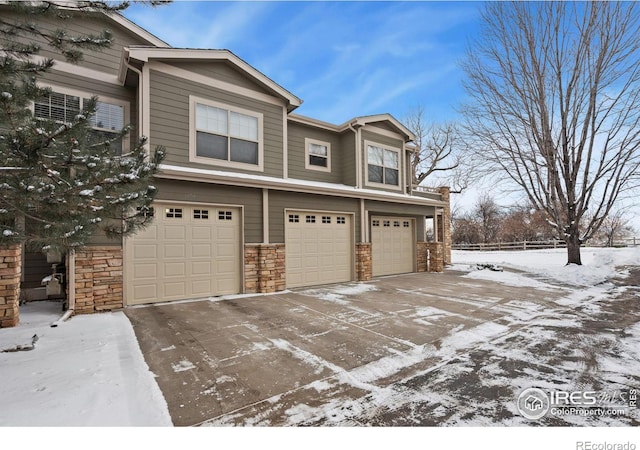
{"type": "Point", "coordinates": [402, 350]}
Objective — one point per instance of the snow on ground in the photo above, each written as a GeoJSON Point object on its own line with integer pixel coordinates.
{"type": "Point", "coordinates": [598, 264]}
{"type": "Point", "coordinates": [88, 371]}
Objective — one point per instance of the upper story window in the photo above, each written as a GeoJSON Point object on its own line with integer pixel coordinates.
{"type": "Point", "coordinates": [64, 105]}
{"type": "Point", "coordinates": [383, 165]}
{"type": "Point", "coordinates": [318, 155]}
{"type": "Point", "coordinates": [225, 135]}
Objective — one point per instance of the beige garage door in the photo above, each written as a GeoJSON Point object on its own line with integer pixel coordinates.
{"type": "Point", "coordinates": [319, 248]}
{"type": "Point", "coordinates": [187, 252]}
{"type": "Point", "coordinates": [392, 245]}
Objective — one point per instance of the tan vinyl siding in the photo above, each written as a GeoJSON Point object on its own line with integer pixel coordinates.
{"type": "Point", "coordinates": [107, 60]}
{"type": "Point", "coordinates": [348, 151]}
{"type": "Point", "coordinates": [169, 103]}
{"type": "Point", "coordinates": [188, 191]}
{"type": "Point", "coordinates": [390, 142]}
{"type": "Point", "coordinates": [222, 71]}
{"type": "Point", "coordinates": [280, 200]}
{"type": "Point", "coordinates": [298, 153]}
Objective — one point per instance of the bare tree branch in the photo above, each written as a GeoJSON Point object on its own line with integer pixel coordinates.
{"type": "Point", "coordinates": [555, 107]}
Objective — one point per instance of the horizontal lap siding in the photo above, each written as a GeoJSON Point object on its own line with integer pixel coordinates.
{"type": "Point", "coordinates": [188, 191]}
{"type": "Point", "coordinates": [279, 201]}
{"type": "Point", "coordinates": [220, 71]}
{"type": "Point", "coordinates": [348, 157]}
{"type": "Point", "coordinates": [297, 134]}
{"type": "Point", "coordinates": [107, 60]}
{"type": "Point", "coordinates": [170, 121]}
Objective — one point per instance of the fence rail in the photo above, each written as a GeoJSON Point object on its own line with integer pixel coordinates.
{"type": "Point", "coordinates": [538, 245]}
{"type": "Point", "coordinates": [521, 245]}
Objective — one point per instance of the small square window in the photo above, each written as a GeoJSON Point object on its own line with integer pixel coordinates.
{"type": "Point", "coordinates": [225, 215]}
{"type": "Point", "coordinates": [396, 223]}
{"type": "Point", "coordinates": [318, 155]}
{"type": "Point", "coordinates": [341, 220]}
{"type": "Point", "coordinates": [310, 219]}
{"type": "Point", "coordinates": [326, 219]}
{"type": "Point", "coordinates": [375, 223]}
{"type": "Point", "coordinates": [173, 213]}
{"type": "Point", "coordinates": [406, 224]}
{"type": "Point", "coordinates": [200, 213]}
{"type": "Point", "coordinates": [294, 218]}
{"type": "Point", "coordinates": [386, 223]}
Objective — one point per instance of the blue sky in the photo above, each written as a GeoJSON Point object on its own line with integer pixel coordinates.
{"type": "Point", "coordinates": [343, 59]}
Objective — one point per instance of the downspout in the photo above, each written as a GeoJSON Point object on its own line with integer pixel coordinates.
{"type": "Point", "coordinates": [71, 288]}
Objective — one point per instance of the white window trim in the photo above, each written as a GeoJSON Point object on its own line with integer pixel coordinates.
{"type": "Point", "coordinates": [307, 154]}
{"type": "Point", "coordinates": [193, 156]}
{"type": "Point", "coordinates": [126, 141]}
{"type": "Point", "coordinates": [395, 187]}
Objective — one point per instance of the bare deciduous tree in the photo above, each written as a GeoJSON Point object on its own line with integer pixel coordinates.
{"type": "Point", "coordinates": [437, 152]}
{"type": "Point", "coordinates": [555, 106]}
{"type": "Point", "coordinates": [615, 227]}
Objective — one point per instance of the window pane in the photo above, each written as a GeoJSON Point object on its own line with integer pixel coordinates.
{"type": "Point", "coordinates": [317, 149]}
{"type": "Point", "coordinates": [108, 116]}
{"type": "Point", "coordinates": [318, 161]}
{"type": "Point", "coordinates": [375, 155]}
{"type": "Point", "coordinates": [390, 159]}
{"type": "Point", "coordinates": [244, 151]}
{"type": "Point", "coordinates": [391, 176]}
{"type": "Point", "coordinates": [101, 137]}
{"type": "Point", "coordinates": [375, 174]}
{"type": "Point", "coordinates": [211, 146]}
{"type": "Point", "coordinates": [243, 126]}
{"type": "Point", "coordinates": [211, 119]}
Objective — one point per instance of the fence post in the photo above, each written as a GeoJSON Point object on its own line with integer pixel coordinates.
{"type": "Point", "coordinates": [524, 245]}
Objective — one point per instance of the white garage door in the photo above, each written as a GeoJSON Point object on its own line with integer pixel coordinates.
{"type": "Point", "coordinates": [187, 252]}
{"type": "Point", "coordinates": [319, 248]}
{"type": "Point", "coordinates": [392, 245]}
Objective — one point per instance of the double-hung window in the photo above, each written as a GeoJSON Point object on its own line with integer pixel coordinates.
{"type": "Point", "coordinates": [225, 135]}
{"type": "Point", "coordinates": [383, 166]}
{"type": "Point", "coordinates": [63, 106]}
{"type": "Point", "coordinates": [318, 155]}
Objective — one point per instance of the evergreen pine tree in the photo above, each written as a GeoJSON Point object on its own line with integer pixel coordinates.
{"type": "Point", "coordinates": [61, 182]}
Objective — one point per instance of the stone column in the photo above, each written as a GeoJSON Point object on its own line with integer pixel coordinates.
{"type": "Point", "coordinates": [446, 224]}
{"type": "Point", "coordinates": [363, 261]}
{"type": "Point", "coordinates": [10, 271]}
{"type": "Point", "coordinates": [99, 279]}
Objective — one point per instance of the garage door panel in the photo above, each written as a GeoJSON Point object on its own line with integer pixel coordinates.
{"type": "Point", "coordinates": [393, 245]}
{"type": "Point", "coordinates": [319, 249]}
{"type": "Point", "coordinates": [176, 269]}
{"type": "Point", "coordinates": [148, 251]}
{"type": "Point", "coordinates": [174, 232]}
{"type": "Point", "coordinates": [197, 255]}
{"type": "Point", "coordinates": [174, 251]}
{"type": "Point", "coordinates": [146, 292]}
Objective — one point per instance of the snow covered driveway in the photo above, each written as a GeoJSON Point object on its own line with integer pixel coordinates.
{"type": "Point", "coordinates": [417, 349]}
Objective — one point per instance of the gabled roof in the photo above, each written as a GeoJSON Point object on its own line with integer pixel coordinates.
{"type": "Point", "coordinates": [137, 30]}
{"type": "Point", "coordinates": [357, 122]}
{"type": "Point", "coordinates": [145, 54]}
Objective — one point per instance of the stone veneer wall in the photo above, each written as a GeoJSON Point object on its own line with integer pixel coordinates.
{"type": "Point", "coordinates": [264, 268]}
{"type": "Point", "coordinates": [99, 282]}
{"type": "Point", "coordinates": [10, 271]}
{"type": "Point", "coordinates": [422, 256]}
{"type": "Point", "coordinates": [446, 224]}
{"type": "Point", "coordinates": [436, 253]}
{"type": "Point", "coordinates": [363, 261]}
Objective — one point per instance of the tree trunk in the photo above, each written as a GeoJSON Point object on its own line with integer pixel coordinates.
{"type": "Point", "coordinates": [573, 250]}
